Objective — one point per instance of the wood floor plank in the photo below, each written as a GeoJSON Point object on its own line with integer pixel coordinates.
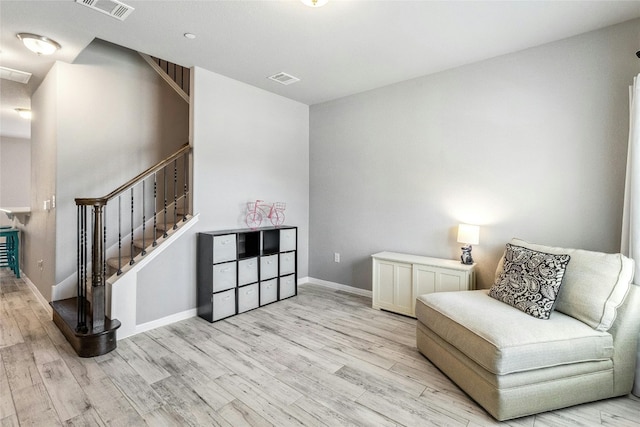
{"type": "Point", "coordinates": [203, 361]}
{"type": "Point", "coordinates": [141, 395]}
{"type": "Point", "coordinates": [9, 421]}
{"type": "Point", "coordinates": [20, 367]}
{"type": "Point", "coordinates": [7, 408]}
{"type": "Point", "coordinates": [375, 379]}
{"type": "Point", "coordinates": [264, 404]}
{"type": "Point", "coordinates": [111, 404]}
{"type": "Point", "coordinates": [244, 367]}
{"type": "Point", "coordinates": [336, 400]}
{"type": "Point", "coordinates": [206, 389]}
{"type": "Point", "coordinates": [406, 410]}
{"type": "Point", "coordinates": [138, 359]}
{"type": "Point", "coordinates": [240, 415]}
{"type": "Point", "coordinates": [34, 407]}
{"type": "Point", "coordinates": [89, 418]}
{"type": "Point", "coordinates": [67, 396]}
{"type": "Point", "coordinates": [10, 332]}
{"type": "Point", "coordinates": [183, 401]}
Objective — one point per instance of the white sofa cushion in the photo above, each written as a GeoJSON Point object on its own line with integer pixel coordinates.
{"type": "Point", "coordinates": [510, 341]}
{"type": "Point", "coordinates": [594, 284]}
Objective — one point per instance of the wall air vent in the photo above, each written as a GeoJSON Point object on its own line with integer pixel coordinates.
{"type": "Point", "coordinates": [113, 8]}
{"type": "Point", "coordinates": [284, 78]}
{"type": "Point", "coordinates": [14, 75]}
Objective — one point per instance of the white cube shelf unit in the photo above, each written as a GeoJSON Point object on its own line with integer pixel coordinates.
{"type": "Point", "coordinates": [239, 270]}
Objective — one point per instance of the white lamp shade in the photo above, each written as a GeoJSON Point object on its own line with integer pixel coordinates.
{"type": "Point", "coordinates": [469, 234]}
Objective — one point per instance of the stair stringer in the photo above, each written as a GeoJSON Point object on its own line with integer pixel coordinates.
{"type": "Point", "coordinates": [165, 76]}
{"type": "Point", "coordinates": [121, 294]}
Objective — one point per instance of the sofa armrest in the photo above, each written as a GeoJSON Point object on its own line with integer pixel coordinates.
{"type": "Point", "coordinates": [625, 330]}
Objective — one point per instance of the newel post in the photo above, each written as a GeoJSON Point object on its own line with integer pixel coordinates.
{"type": "Point", "coordinates": [98, 266]}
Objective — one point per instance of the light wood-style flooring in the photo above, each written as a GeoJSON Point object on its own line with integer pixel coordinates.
{"type": "Point", "coordinates": [321, 358]}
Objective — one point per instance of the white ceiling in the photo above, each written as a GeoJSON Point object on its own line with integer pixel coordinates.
{"type": "Point", "coordinates": [340, 49]}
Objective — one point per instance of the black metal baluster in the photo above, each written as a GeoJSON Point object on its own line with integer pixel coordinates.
{"type": "Point", "coordinates": [104, 242]}
{"type": "Point", "coordinates": [155, 208]}
{"type": "Point", "coordinates": [131, 261]}
{"type": "Point", "coordinates": [144, 220]}
{"type": "Point", "coordinates": [119, 235]}
{"type": "Point", "coordinates": [82, 270]}
{"type": "Point", "coordinates": [175, 194]}
{"type": "Point", "coordinates": [164, 174]}
{"type": "Point", "coordinates": [186, 189]}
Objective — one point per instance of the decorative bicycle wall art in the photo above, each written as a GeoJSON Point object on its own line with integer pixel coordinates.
{"type": "Point", "coordinates": [257, 210]}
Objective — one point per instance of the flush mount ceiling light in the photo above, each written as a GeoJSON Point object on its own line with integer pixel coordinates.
{"type": "Point", "coordinates": [39, 44]}
{"type": "Point", "coordinates": [25, 113]}
{"type": "Point", "coordinates": [315, 3]}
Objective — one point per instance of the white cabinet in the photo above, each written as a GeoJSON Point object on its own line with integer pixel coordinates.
{"type": "Point", "coordinates": [399, 278]}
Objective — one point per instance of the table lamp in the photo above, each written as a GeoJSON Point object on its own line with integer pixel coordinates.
{"type": "Point", "coordinates": [468, 235]}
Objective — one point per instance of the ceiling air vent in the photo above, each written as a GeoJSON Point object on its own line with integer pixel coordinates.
{"type": "Point", "coordinates": [113, 8]}
{"type": "Point", "coordinates": [14, 75]}
{"type": "Point", "coordinates": [284, 78]}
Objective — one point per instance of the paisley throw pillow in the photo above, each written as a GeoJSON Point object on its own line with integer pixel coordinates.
{"type": "Point", "coordinates": [530, 280]}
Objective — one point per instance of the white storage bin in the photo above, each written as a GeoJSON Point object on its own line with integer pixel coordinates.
{"type": "Point", "coordinates": [224, 304]}
{"type": "Point", "coordinates": [224, 276]}
{"type": "Point", "coordinates": [224, 248]}
{"type": "Point", "coordinates": [247, 297]}
{"type": "Point", "coordinates": [247, 271]}
{"type": "Point", "coordinates": [287, 286]}
{"type": "Point", "coordinates": [287, 239]}
{"type": "Point", "coordinates": [268, 291]}
{"type": "Point", "coordinates": [287, 263]}
{"type": "Point", "coordinates": [268, 267]}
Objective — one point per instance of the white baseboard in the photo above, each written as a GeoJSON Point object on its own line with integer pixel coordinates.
{"type": "Point", "coordinates": [37, 293]}
{"type": "Point", "coordinates": [187, 314]}
{"type": "Point", "coordinates": [337, 286]}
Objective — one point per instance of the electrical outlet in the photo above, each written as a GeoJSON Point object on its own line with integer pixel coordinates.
{"type": "Point", "coordinates": [40, 264]}
{"type": "Point", "coordinates": [336, 257]}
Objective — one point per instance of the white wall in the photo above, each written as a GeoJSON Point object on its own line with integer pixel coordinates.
{"type": "Point", "coordinates": [530, 144]}
{"type": "Point", "coordinates": [38, 235]}
{"type": "Point", "coordinates": [249, 144]}
{"type": "Point", "coordinates": [15, 174]}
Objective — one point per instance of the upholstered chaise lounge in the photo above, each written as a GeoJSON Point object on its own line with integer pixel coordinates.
{"type": "Point", "coordinates": [511, 361]}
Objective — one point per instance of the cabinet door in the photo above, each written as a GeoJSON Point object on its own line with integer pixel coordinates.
{"type": "Point", "coordinates": [247, 297]}
{"type": "Point", "coordinates": [393, 288]}
{"type": "Point", "coordinates": [224, 248]}
{"type": "Point", "coordinates": [224, 304]}
{"type": "Point", "coordinates": [425, 279]}
{"type": "Point", "coordinates": [224, 276]}
{"type": "Point", "coordinates": [451, 280]}
{"type": "Point", "coordinates": [287, 286]}
{"type": "Point", "coordinates": [268, 267]}
{"type": "Point", "coordinates": [247, 271]}
{"type": "Point", "coordinates": [287, 263]}
{"type": "Point", "coordinates": [287, 239]}
{"type": "Point", "coordinates": [268, 291]}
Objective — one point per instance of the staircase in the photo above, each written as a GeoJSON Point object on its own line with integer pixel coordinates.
{"type": "Point", "coordinates": [117, 231]}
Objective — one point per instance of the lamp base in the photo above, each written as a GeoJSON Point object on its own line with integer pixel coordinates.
{"type": "Point", "coordinates": [466, 258]}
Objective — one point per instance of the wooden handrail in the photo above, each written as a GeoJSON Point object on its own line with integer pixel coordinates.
{"type": "Point", "coordinates": [101, 201]}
